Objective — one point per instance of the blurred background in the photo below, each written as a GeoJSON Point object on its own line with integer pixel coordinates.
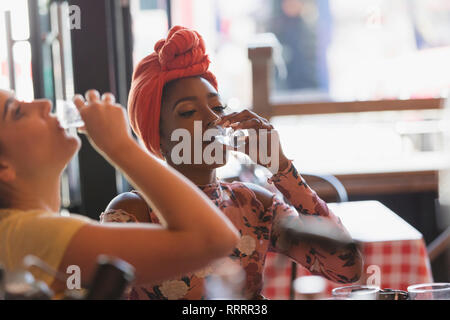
{"type": "Point", "coordinates": [357, 89]}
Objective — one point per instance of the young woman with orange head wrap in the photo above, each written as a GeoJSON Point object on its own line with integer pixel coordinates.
{"type": "Point", "coordinates": [172, 89]}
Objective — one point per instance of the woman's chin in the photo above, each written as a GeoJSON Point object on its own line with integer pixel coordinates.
{"type": "Point", "coordinates": [72, 145]}
{"type": "Point", "coordinates": [75, 141]}
{"type": "Point", "coordinates": [65, 153]}
{"type": "Point", "coordinates": [211, 164]}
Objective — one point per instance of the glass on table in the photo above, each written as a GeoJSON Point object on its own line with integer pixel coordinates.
{"type": "Point", "coordinates": [68, 115]}
{"type": "Point", "coordinates": [356, 292]}
{"type": "Point", "coordinates": [309, 288]}
{"type": "Point", "coordinates": [429, 291]}
{"type": "Point", "coordinates": [21, 285]}
{"type": "Point", "coordinates": [226, 281]}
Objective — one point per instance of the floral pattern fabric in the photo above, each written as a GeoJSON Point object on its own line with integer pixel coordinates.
{"type": "Point", "coordinates": [260, 229]}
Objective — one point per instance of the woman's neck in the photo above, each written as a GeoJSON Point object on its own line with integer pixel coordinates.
{"type": "Point", "coordinates": [199, 176]}
{"type": "Point", "coordinates": [37, 194]}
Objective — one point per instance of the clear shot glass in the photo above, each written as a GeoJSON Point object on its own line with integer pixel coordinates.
{"type": "Point", "coordinates": [68, 115]}
{"type": "Point", "coordinates": [232, 138]}
{"type": "Point", "coordinates": [356, 292]}
{"type": "Point", "coordinates": [429, 291]}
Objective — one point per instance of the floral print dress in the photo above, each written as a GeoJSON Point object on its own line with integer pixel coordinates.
{"type": "Point", "coordinates": [260, 230]}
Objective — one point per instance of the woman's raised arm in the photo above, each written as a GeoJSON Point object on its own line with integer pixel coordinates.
{"type": "Point", "coordinates": [194, 230]}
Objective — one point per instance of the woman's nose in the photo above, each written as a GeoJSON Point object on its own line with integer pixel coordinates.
{"type": "Point", "coordinates": [211, 118]}
{"type": "Point", "coordinates": [45, 106]}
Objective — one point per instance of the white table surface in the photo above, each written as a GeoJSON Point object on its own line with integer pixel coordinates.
{"type": "Point", "coordinates": [371, 221]}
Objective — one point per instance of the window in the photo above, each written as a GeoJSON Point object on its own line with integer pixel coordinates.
{"type": "Point", "coordinates": [150, 24]}
{"type": "Point", "coordinates": [329, 49]}
{"type": "Point", "coordinates": [21, 49]}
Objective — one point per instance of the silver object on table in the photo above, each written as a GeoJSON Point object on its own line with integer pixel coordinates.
{"type": "Point", "coordinates": [390, 294]}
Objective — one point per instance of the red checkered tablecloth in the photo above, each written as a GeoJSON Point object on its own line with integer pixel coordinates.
{"type": "Point", "coordinates": [394, 263]}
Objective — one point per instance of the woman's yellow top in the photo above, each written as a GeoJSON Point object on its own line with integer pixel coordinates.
{"type": "Point", "coordinates": [42, 234]}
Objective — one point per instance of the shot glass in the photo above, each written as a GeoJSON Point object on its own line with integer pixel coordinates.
{"type": "Point", "coordinates": [232, 138]}
{"type": "Point", "coordinates": [356, 292]}
{"type": "Point", "coordinates": [68, 115]}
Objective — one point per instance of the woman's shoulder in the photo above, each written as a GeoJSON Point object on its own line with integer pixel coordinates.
{"type": "Point", "coordinates": [252, 190]}
{"type": "Point", "coordinates": [41, 216]}
{"type": "Point", "coordinates": [131, 204]}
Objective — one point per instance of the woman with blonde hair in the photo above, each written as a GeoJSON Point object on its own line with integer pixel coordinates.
{"type": "Point", "coordinates": [34, 150]}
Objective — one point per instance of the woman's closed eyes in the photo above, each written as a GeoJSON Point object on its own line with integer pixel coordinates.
{"type": "Point", "coordinates": [15, 111]}
{"type": "Point", "coordinates": [18, 112]}
{"type": "Point", "coordinates": [187, 114]}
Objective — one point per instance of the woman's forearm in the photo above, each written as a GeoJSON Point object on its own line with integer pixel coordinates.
{"type": "Point", "coordinates": [328, 256]}
{"type": "Point", "coordinates": [194, 234]}
{"type": "Point", "coordinates": [177, 201]}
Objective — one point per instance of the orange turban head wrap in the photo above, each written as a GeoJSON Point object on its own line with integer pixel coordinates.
{"type": "Point", "coordinates": [181, 55]}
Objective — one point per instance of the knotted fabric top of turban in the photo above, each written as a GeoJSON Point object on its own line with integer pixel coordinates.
{"type": "Point", "coordinates": [181, 55]}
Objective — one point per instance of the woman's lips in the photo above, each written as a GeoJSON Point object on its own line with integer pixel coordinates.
{"type": "Point", "coordinates": [58, 125]}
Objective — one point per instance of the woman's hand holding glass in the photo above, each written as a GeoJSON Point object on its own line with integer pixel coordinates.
{"type": "Point", "coordinates": [256, 125]}
{"type": "Point", "coordinates": [105, 122]}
